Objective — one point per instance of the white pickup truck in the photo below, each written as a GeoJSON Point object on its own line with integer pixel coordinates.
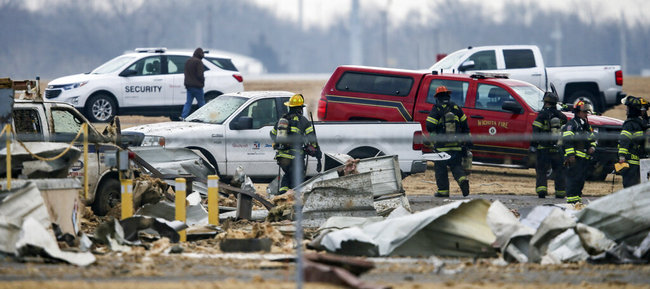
{"type": "Point", "coordinates": [233, 130]}
{"type": "Point", "coordinates": [601, 84]}
{"type": "Point", "coordinates": [46, 121]}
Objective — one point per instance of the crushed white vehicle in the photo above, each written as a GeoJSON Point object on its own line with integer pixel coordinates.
{"type": "Point", "coordinates": [233, 130]}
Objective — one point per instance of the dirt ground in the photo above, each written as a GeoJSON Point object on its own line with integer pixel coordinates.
{"type": "Point", "coordinates": [145, 269]}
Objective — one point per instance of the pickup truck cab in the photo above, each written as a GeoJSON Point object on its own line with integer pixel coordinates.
{"type": "Point", "coordinates": [234, 130]}
{"type": "Point", "coordinates": [60, 122]}
{"type": "Point", "coordinates": [500, 111]}
{"type": "Point", "coordinates": [600, 84]}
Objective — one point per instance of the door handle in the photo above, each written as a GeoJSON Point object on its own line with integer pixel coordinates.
{"type": "Point", "coordinates": [424, 111]}
{"type": "Point", "coordinates": [477, 116]}
{"type": "Point", "coordinates": [536, 74]}
{"type": "Point", "coordinates": [158, 79]}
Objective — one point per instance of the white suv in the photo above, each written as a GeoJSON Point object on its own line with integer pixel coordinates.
{"type": "Point", "coordinates": [148, 81]}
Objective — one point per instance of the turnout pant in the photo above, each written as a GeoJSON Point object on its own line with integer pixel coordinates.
{"type": "Point", "coordinates": [631, 176]}
{"type": "Point", "coordinates": [549, 158]}
{"type": "Point", "coordinates": [575, 180]}
{"type": "Point", "coordinates": [457, 170]}
{"type": "Point", "coordinates": [294, 172]}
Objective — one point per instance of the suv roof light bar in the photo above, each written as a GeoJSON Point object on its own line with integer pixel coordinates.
{"type": "Point", "coordinates": [151, 49]}
{"type": "Point", "coordinates": [483, 75]}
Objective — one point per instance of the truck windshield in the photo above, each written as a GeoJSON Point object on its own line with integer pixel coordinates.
{"type": "Point", "coordinates": [217, 110]}
{"type": "Point", "coordinates": [448, 62]}
{"type": "Point", "coordinates": [113, 64]}
{"type": "Point", "coordinates": [531, 95]}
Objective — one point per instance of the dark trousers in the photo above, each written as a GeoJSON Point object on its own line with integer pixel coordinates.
{"type": "Point", "coordinates": [575, 179]}
{"type": "Point", "coordinates": [455, 164]}
{"type": "Point", "coordinates": [291, 167]}
{"type": "Point", "coordinates": [631, 176]}
{"type": "Point", "coordinates": [549, 159]}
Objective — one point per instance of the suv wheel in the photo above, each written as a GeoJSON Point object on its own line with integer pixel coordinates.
{"type": "Point", "coordinates": [101, 108]}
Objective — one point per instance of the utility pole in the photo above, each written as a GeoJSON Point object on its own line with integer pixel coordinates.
{"type": "Point", "coordinates": [356, 57]}
{"type": "Point", "coordinates": [557, 36]}
{"type": "Point", "coordinates": [385, 33]}
{"type": "Point", "coordinates": [622, 28]}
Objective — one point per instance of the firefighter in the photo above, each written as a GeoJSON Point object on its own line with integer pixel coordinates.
{"type": "Point", "coordinates": [547, 133]}
{"type": "Point", "coordinates": [579, 144]}
{"type": "Point", "coordinates": [294, 136]}
{"type": "Point", "coordinates": [631, 142]}
{"type": "Point", "coordinates": [447, 123]}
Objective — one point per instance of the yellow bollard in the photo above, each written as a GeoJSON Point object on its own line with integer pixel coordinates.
{"type": "Point", "coordinates": [127, 198]}
{"type": "Point", "coordinates": [85, 129]}
{"type": "Point", "coordinates": [7, 131]}
{"type": "Point", "coordinates": [213, 200]}
{"type": "Point", "coordinates": [181, 215]}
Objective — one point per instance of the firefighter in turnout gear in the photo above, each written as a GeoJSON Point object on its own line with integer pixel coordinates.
{"type": "Point", "coordinates": [547, 134]}
{"type": "Point", "coordinates": [631, 142]}
{"type": "Point", "coordinates": [293, 136]}
{"type": "Point", "coordinates": [449, 133]}
{"type": "Point", "coordinates": [578, 143]}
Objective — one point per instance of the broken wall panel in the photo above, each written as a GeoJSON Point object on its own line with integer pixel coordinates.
{"type": "Point", "coordinates": [622, 216]}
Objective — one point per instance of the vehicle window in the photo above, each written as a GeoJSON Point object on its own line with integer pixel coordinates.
{"type": "Point", "coordinates": [176, 63]}
{"type": "Point", "coordinates": [532, 95]}
{"type": "Point", "coordinates": [113, 64]}
{"type": "Point", "coordinates": [458, 90]}
{"type": "Point", "coordinates": [146, 66]}
{"type": "Point", "coordinates": [519, 58]}
{"type": "Point", "coordinates": [484, 60]}
{"type": "Point", "coordinates": [27, 124]}
{"type": "Point", "coordinates": [223, 63]}
{"type": "Point", "coordinates": [491, 97]}
{"type": "Point", "coordinates": [447, 62]}
{"type": "Point", "coordinates": [375, 83]}
{"type": "Point", "coordinates": [283, 108]}
{"type": "Point", "coordinates": [65, 122]}
{"type": "Point", "coordinates": [217, 110]}
{"type": "Point", "coordinates": [263, 113]}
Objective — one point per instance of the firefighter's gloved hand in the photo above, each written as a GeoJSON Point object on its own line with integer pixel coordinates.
{"type": "Point", "coordinates": [532, 149]}
{"type": "Point", "coordinates": [591, 150]}
{"type": "Point", "coordinates": [621, 159]}
{"type": "Point", "coordinates": [312, 151]}
{"type": "Point", "coordinates": [319, 165]}
{"type": "Point", "coordinates": [570, 161]}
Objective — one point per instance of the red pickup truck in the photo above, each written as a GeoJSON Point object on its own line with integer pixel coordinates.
{"type": "Point", "coordinates": [500, 111]}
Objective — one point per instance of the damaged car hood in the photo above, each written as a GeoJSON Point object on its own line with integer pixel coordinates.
{"type": "Point", "coordinates": [179, 133]}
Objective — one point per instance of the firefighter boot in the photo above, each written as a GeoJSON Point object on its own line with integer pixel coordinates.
{"type": "Point", "coordinates": [560, 194]}
{"type": "Point", "coordinates": [442, 194]}
{"type": "Point", "coordinates": [464, 187]}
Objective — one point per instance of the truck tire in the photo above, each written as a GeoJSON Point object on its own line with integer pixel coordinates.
{"type": "Point", "coordinates": [101, 108]}
{"type": "Point", "coordinates": [595, 101]}
{"type": "Point", "coordinates": [108, 196]}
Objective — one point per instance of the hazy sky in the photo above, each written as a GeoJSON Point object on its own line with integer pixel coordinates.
{"type": "Point", "coordinates": [320, 12]}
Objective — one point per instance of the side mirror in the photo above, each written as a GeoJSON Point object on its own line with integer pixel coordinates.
{"type": "Point", "coordinates": [512, 106]}
{"type": "Point", "coordinates": [241, 123]}
{"type": "Point", "coordinates": [466, 65]}
{"type": "Point", "coordinates": [128, 72]}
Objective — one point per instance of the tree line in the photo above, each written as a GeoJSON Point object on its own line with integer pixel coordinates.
{"type": "Point", "coordinates": [74, 37]}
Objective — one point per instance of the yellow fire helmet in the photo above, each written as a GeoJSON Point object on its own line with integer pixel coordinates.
{"type": "Point", "coordinates": [295, 100]}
